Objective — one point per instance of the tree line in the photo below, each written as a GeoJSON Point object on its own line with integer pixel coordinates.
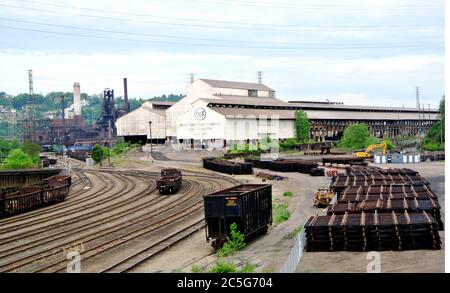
{"type": "Point", "coordinates": [50, 104]}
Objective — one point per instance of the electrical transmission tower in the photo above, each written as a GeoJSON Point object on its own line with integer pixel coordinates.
{"type": "Point", "coordinates": [191, 78]}
{"type": "Point", "coordinates": [28, 122]}
{"type": "Point", "coordinates": [10, 120]}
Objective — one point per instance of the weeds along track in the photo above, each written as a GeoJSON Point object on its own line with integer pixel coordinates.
{"type": "Point", "coordinates": [126, 224]}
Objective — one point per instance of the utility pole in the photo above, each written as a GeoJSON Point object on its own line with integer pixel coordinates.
{"type": "Point", "coordinates": [423, 115]}
{"type": "Point", "coordinates": [151, 140]}
{"type": "Point", "coordinates": [191, 78]}
{"type": "Point", "coordinates": [260, 77]}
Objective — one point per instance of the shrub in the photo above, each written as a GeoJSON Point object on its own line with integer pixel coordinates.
{"type": "Point", "coordinates": [430, 146]}
{"type": "Point", "coordinates": [197, 269]}
{"type": "Point", "coordinates": [18, 160]}
{"type": "Point", "coordinates": [31, 149]}
{"type": "Point", "coordinates": [288, 144]}
{"type": "Point", "coordinates": [120, 148]}
{"type": "Point", "coordinates": [288, 194]}
{"type": "Point", "coordinates": [247, 269]}
{"type": "Point", "coordinates": [223, 267]}
{"type": "Point", "coordinates": [7, 145]}
{"type": "Point", "coordinates": [234, 243]}
{"type": "Point", "coordinates": [281, 213]}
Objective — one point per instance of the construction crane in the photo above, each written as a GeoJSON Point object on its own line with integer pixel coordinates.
{"type": "Point", "coordinates": [368, 152]}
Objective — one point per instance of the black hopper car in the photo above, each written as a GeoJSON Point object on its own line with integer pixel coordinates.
{"type": "Point", "coordinates": [14, 200]}
{"type": "Point", "coordinates": [248, 205]}
{"type": "Point", "coordinates": [170, 181]}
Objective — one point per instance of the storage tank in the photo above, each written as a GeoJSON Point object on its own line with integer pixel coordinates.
{"type": "Point", "coordinates": [417, 158]}
{"type": "Point", "coordinates": [377, 159]}
{"type": "Point", "coordinates": [405, 159]}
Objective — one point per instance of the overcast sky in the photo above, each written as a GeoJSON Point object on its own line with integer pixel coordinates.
{"type": "Point", "coordinates": [368, 52]}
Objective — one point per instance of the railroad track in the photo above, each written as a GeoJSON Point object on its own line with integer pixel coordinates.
{"type": "Point", "coordinates": [128, 232]}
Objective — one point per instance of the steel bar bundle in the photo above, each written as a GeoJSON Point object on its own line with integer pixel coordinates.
{"type": "Point", "coordinates": [372, 231]}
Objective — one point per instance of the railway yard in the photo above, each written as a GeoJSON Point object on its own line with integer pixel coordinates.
{"type": "Point", "coordinates": [119, 222]}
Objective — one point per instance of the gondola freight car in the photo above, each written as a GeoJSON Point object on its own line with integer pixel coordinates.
{"type": "Point", "coordinates": [248, 205]}
{"type": "Point", "coordinates": [15, 200]}
{"type": "Point", "coordinates": [170, 181]}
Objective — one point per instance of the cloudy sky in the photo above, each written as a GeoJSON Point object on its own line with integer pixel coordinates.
{"type": "Point", "coordinates": [356, 51]}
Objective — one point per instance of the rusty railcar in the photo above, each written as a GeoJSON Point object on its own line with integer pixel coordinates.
{"type": "Point", "coordinates": [170, 181]}
{"type": "Point", "coordinates": [15, 200]}
{"type": "Point", "coordinates": [249, 206]}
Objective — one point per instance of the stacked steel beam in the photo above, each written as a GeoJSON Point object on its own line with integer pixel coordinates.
{"type": "Point", "coordinates": [289, 165]}
{"type": "Point", "coordinates": [378, 209]}
{"type": "Point", "coordinates": [372, 231]}
{"type": "Point", "coordinates": [227, 167]}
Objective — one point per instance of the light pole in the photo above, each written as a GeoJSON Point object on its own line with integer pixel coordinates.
{"type": "Point", "coordinates": [151, 142]}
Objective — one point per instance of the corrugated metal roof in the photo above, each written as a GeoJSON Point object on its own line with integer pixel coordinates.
{"type": "Point", "coordinates": [319, 114]}
{"type": "Point", "coordinates": [283, 114]}
{"type": "Point", "coordinates": [272, 102]}
{"type": "Point", "coordinates": [238, 100]}
{"type": "Point", "coordinates": [237, 85]}
{"type": "Point", "coordinates": [355, 107]}
{"type": "Point", "coordinates": [162, 103]}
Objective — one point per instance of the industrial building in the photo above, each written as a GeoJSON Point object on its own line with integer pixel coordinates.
{"type": "Point", "coordinates": [134, 126]}
{"type": "Point", "coordinates": [220, 112]}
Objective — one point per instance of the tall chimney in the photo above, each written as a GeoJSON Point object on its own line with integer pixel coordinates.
{"type": "Point", "coordinates": [125, 96]}
{"type": "Point", "coordinates": [76, 99]}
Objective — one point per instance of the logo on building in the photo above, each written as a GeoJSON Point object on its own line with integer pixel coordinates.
{"type": "Point", "coordinates": [200, 114]}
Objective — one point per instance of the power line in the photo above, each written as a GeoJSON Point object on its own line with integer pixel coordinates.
{"type": "Point", "coordinates": [401, 27]}
{"type": "Point", "coordinates": [321, 47]}
{"type": "Point", "coordinates": [161, 36]}
{"type": "Point", "coordinates": [319, 6]}
{"type": "Point", "coordinates": [203, 26]}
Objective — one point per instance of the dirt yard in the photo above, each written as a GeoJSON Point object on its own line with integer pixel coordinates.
{"type": "Point", "coordinates": [270, 251]}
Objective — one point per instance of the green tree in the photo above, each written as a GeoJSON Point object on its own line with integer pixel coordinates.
{"type": "Point", "coordinates": [357, 137]}
{"type": "Point", "coordinates": [97, 154]}
{"type": "Point", "coordinates": [18, 160]}
{"type": "Point", "coordinates": [302, 126]}
{"type": "Point", "coordinates": [31, 149]}
{"type": "Point", "coordinates": [7, 145]}
{"type": "Point", "coordinates": [435, 138]}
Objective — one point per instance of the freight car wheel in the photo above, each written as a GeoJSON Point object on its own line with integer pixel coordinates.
{"type": "Point", "coordinates": [218, 243]}
{"type": "Point", "coordinates": [264, 230]}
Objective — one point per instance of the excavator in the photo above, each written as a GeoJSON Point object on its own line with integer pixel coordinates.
{"type": "Point", "coordinates": [368, 152]}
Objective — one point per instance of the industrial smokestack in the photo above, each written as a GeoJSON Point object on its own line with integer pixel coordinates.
{"type": "Point", "coordinates": [125, 96]}
{"type": "Point", "coordinates": [76, 99]}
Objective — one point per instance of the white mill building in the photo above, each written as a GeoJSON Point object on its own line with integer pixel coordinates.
{"type": "Point", "coordinates": [225, 111]}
